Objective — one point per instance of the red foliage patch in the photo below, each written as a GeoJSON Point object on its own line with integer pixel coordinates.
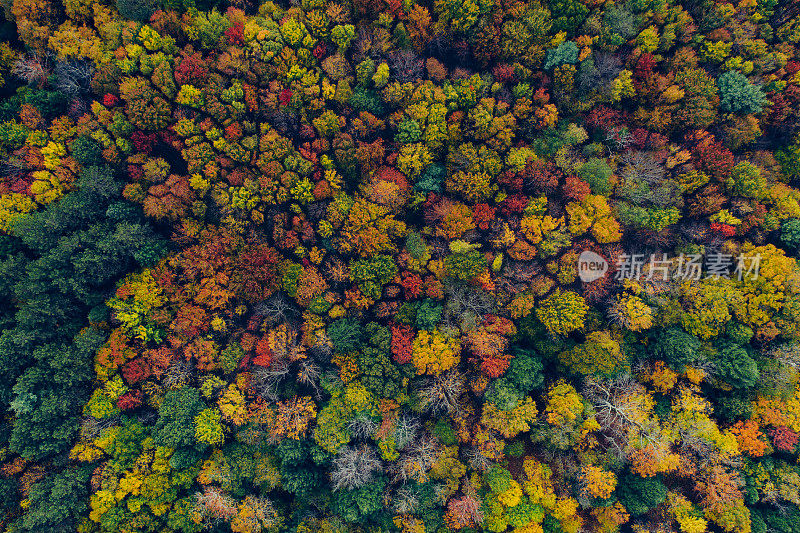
{"type": "Point", "coordinates": [402, 336]}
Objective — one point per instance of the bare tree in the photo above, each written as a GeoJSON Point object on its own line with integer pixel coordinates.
{"type": "Point", "coordinates": [12, 167]}
{"type": "Point", "coordinates": [31, 69]}
{"type": "Point", "coordinates": [404, 501]}
{"type": "Point", "coordinates": [74, 77]}
{"type": "Point", "coordinates": [179, 373]}
{"type": "Point", "coordinates": [618, 411]}
{"type": "Point", "coordinates": [440, 394]}
{"type": "Point", "coordinates": [266, 381]}
{"type": "Point", "coordinates": [646, 181]}
{"type": "Point", "coordinates": [477, 460]}
{"type": "Point", "coordinates": [362, 427]}
{"type": "Point", "coordinates": [465, 304]}
{"type": "Point", "coordinates": [416, 461]}
{"type": "Point", "coordinates": [308, 373]}
{"type": "Point", "coordinates": [354, 466]}
{"type": "Point", "coordinates": [598, 71]}
{"type": "Point", "coordinates": [788, 354]}
{"type": "Point", "coordinates": [215, 504]}
{"type": "Point", "coordinates": [277, 309]}
{"type": "Point", "coordinates": [406, 431]}
{"type": "Point", "coordinates": [406, 65]}
{"type": "Point", "coordinates": [92, 427]}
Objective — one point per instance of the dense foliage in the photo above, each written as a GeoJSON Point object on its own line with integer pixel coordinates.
{"type": "Point", "coordinates": [312, 266]}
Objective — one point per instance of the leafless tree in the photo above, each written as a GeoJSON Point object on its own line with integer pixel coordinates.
{"type": "Point", "coordinates": [308, 373]}
{"type": "Point", "coordinates": [31, 69]}
{"type": "Point", "coordinates": [362, 427]}
{"type": "Point", "coordinates": [404, 501]}
{"type": "Point", "coordinates": [406, 65]}
{"type": "Point", "coordinates": [92, 427]}
{"type": "Point", "coordinates": [215, 504]}
{"type": "Point", "coordinates": [695, 230]}
{"type": "Point", "coordinates": [74, 77]}
{"type": "Point", "coordinates": [646, 180]}
{"type": "Point", "coordinates": [406, 431]}
{"type": "Point", "coordinates": [617, 411]}
{"type": "Point", "coordinates": [617, 138]}
{"type": "Point", "coordinates": [416, 461]}
{"type": "Point", "coordinates": [788, 354]}
{"type": "Point", "coordinates": [277, 309]}
{"type": "Point", "coordinates": [477, 460]}
{"type": "Point", "coordinates": [354, 466]}
{"type": "Point", "coordinates": [598, 72]}
{"type": "Point", "coordinates": [440, 393]}
{"type": "Point", "coordinates": [12, 167]}
{"type": "Point", "coordinates": [463, 301]}
{"type": "Point", "coordinates": [266, 381]}
{"type": "Point", "coordinates": [179, 373]}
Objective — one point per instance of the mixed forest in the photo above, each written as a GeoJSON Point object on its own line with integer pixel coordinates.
{"type": "Point", "coordinates": [311, 266]}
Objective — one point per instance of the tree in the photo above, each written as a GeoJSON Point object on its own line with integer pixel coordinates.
{"type": "Point", "coordinates": [746, 180]}
{"type": "Point", "coordinates": [567, 15]}
{"type": "Point", "coordinates": [346, 334]}
{"type": "Point", "coordinates": [175, 426]}
{"type": "Point", "coordinates": [600, 354]}
{"type": "Point", "coordinates": [57, 502]}
{"type": "Point", "coordinates": [596, 173]}
{"type": "Point", "coordinates": [372, 273]}
{"type": "Point", "coordinates": [790, 233]}
{"type": "Point", "coordinates": [139, 10]}
{"type": "Point", "coordinates": [736, 367]}
{"type": "Point", "coordinates": [593, 214]}
{"type": "Point", "coordinates": [676, 347]}
{"type": "Point", "coordinates": [207, 427]}
{"type": "Point", "coordinates": [739, 95]}
{"type": "Point", "coordinates": [639, 494]}
{"type": "Point", "coordinates": [354, 466]}
{"type": "Point", "coordinates": [562, 312]}
{"type": "Point", "coordinates": [597, 483]}
{"type": "Point", "coordinates": [465, 265]}
{"type": "Point", "coordinates": [433, 353]}
{"type": "Point", "coordinates": [564, 53]}
{"type": "Point", "coordinates": [526, 371]}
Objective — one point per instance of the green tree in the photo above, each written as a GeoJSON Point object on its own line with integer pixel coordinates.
{"type": "Point", "coordinates": [639, 494]}
{"type": "Point", "coordinates": [790, 233]}
{"type": "Point", "coordinates": [175, 426]}
{"type": "Point", "coordinates": [734, 366]}
{"type": "Point", "coordinates": [567, 15]}
{"type": "Point", "coordinates": [675, 347]}
{"type": "Point", "coordinates": [139, 10]}
{"type": "Point", "coordinates": [346, 334]}
{"type": "Point", "coordinates": [57, 503]}
{"type": "Point", "coordinates": [526, 370]}
{"type": "Point", "coordinates": [739, 95]}
{"type": "Point", "coordinates": [429, 314]}
{"type": "Point", "coordinates": [565, 53]}
{"type": "Point", "coordinates": [746, 180]}
{"type": "Point", "coordinates": [465, 265]}
{"type": "Point", "coordinates": [380, 375]}
{"type": "Point", "coordinates": [373, 273]}
{"type": "Point", "coordinates": [597, 174]}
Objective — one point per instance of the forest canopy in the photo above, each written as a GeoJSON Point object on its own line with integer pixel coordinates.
{"type": "Point", "coordinates": [406, 266]}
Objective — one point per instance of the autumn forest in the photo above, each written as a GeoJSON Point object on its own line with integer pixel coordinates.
{"type": "Point", "coordinates": [403, 266]}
